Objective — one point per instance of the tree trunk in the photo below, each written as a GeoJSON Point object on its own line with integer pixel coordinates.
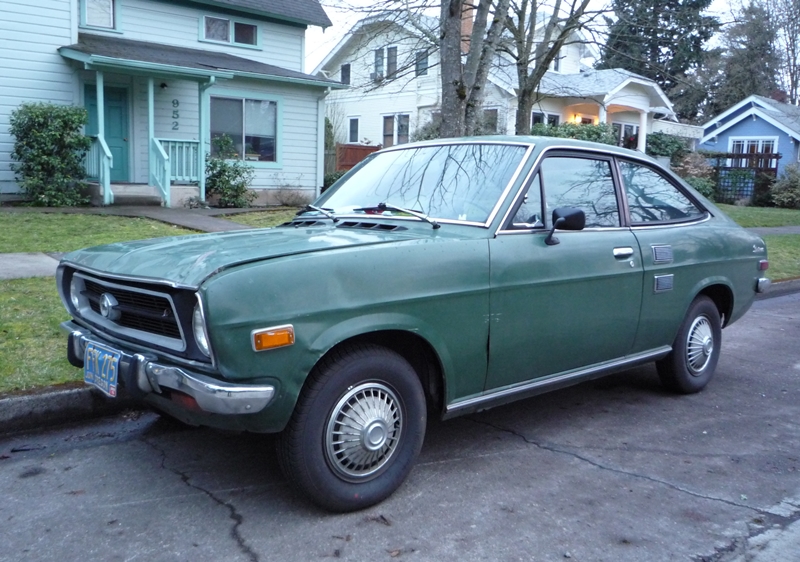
{"type": "Point", "coordinates": [454, 91]}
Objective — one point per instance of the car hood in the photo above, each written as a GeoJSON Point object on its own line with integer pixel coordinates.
{"type": "Point", "coordinates": [188, 260]}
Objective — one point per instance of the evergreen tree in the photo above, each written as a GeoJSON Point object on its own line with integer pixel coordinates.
{"type": "Point", "coordinates": [660, 39]}
{"type": "Point", "coordinates": [751, 61]}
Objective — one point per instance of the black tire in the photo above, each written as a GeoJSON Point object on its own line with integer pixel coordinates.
{"type": "Point", "coordinates": [385, 441]}
{"type": "Point", "coordinates": [695, 352]}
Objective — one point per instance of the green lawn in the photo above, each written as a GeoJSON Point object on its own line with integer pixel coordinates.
{"type": "Point", "coordinates": [750, 217]}
{"type": "Point", "coordinates": [264, 219]}
{"type": "Point", "coordinates": [63, 232]}
{"type": "Point", "coordinates": [32, 347]}
{"type": "Point", "coordinates": [783, 251]}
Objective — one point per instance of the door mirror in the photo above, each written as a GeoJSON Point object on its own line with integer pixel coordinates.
{"type": "Point", "coordinates": [565, 218]}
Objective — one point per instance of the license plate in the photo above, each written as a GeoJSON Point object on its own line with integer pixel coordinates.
{"type": "Point", "coordinates": [100, 367]}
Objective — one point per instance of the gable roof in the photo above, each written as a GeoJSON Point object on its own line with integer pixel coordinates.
{"type": "Point", "coordinates": [98, 52]}
{"type": "Point", "coordinates": [782, 116]}
{"type": "Point", "coordinates": [309, 12]}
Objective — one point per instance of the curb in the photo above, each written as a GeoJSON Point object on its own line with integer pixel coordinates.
{"type": "Point", "coordinates": [18, 413]}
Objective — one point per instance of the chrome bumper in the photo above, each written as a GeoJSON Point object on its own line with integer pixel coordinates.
{"type": "Point", "coordinates": [763, 284]}
{"type": "Point", "coordinates": [142, 373]}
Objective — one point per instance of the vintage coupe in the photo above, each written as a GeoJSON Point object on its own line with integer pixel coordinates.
{"type": "Point", "coordinates": [443, 277]}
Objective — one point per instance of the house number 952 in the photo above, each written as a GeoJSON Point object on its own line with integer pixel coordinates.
{"type": "Point", "coordinates": [176, 114]}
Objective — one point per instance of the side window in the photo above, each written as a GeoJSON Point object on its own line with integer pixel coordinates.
{"type": "Point", "coordinates": [529, 214]}
{"type": "Point", "coordinates": [653, 198]}
{"type": "Point", "coordinates": [584, 183]}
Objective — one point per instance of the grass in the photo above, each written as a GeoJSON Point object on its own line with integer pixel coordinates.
{"type": "Point", "coordinates": [63, 232]}
{"type": "Point", "coordinates": [32, 348]}
{"type": "Point", "coordinates": [751, 217]}
{"type": "Point", "coordinates": [264, 219]}
{"type": "Point", "coordinates": [784, 256]}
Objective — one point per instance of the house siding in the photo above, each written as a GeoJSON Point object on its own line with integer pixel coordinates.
{"type": "Point", "coordinates": [30, 33]}
{"type": "Point", "coordinates": [171, 24]}
{"type": "Point", "coordinates": [749, 128]}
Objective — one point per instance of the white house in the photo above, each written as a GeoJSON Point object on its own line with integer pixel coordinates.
{"type": "Point", "coordinates": [391, 65]}
{"type": "Point", "coordinates": [161, 78]}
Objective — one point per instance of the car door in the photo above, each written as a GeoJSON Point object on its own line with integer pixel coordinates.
{"type": "Point", "coordinates": [678, 251]}
{"type": "Point", "coordinates": [556, 308]}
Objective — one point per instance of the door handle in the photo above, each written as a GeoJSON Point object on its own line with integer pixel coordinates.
{"type": "Point", "coordinates": [623, 252]}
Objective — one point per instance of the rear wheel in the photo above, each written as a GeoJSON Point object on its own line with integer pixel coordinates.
{"type": "Point", "coordinates": [356, 430]}
{"type": "Point", "coordinates": [695, 352]}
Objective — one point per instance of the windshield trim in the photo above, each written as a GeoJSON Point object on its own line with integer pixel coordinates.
{"type": "Point", "coordinates": [529, 147]}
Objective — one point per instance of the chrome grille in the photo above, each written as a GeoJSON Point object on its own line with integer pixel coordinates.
{"type": "Point", "coordinates": [140, 311]}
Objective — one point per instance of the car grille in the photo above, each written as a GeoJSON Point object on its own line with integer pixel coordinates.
{"type": "Point", "coordinates": [139, 311]}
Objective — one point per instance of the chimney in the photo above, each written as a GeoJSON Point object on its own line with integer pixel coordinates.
{"type": "Point", "coordinates": [467, 17]}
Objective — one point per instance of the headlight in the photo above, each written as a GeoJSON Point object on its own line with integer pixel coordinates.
{"type": "Point", "coordinates": [75, 288]}
{"type": "Point", "coordinates": [199, 329]}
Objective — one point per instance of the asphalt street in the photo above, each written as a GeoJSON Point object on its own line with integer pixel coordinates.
{"type": "Point", "coordinates": [612, 470]}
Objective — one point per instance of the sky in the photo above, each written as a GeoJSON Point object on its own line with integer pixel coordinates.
{"type": "Point", "coordinates": [319, 43]}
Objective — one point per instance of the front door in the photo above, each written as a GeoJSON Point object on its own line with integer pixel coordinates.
{"type": "Point", "coordinates": [555, 308]}
{"type": "Point", "coordinates": [116, 126]}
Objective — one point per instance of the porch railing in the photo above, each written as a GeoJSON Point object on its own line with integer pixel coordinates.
{"type": "Point", "coordinates": [182, 159]}
{"type": "Point", "coordinates": [98, 164]}
{"type": "Point", "coordinates": [160, 169]}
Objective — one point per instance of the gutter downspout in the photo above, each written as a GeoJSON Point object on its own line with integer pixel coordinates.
{"type": "Point", "coordinates": [321, 143]}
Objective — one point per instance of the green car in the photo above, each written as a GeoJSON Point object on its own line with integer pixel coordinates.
{"type": "Point", "coordinates": [443, 277]}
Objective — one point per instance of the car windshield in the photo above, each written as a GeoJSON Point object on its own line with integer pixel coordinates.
{"type": "Point", "coordinates": [460, 182]}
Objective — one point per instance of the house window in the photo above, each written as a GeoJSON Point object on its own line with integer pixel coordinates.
{"type": "Point", "coordinates": [345, 74]}
{"type": "Point", "coordinates": [556, 64]}
{"type": "Point", "coordinates": [538, 117]}
{"type": "Point", "coordinates": [388, 131]}
{"type": "Point", "coordinates": [421, 63]}
{"type": "Point", "coordinates": [353, 134]}
{"type": "Point", "coordinates": [754, 146]}
{"type": "Point", "coordinates": [587, 121]}
{"type": "Point", "coordinates": [99, 13]}
{"type": "Point", "coordinates": [250, 123]}
{"type": "Point", "coordinates": [391, 62]}
{"type": "Point", "coordinates": [227, 31]}
{"type": "Point", "coordinates": [627, 134]}
{"type": "Point", "coordinates": [490, 121]}
{"type": "Point", "coordinates": [378, 74]}
{"type": "Point", "coordinates": [402, 129]}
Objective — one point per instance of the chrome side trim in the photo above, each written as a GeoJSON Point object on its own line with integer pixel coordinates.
{"type": "Point", "coordinates": [706, 218]}
{"type": "Point", "coordinates": [662, 253]}
{"type": "Point", "coordinates": [150, 376]}
{"type": "Point", "coordinates": [553, 382]}
{"type": "Point", "coordinates": [146, 280]}
{"type": "Point", "coordinates": [663, 283]}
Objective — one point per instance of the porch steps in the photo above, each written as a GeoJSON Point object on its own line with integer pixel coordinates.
{"type": "Point", "coordinates": [139, 194]}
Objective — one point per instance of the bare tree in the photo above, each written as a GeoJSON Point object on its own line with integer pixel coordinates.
{"type": "Point", "coordinates": [785, 15]}
{"type": "Point", "coordinates": [537, 37]}
{"type": "Point", "coordinates": [464, 78]}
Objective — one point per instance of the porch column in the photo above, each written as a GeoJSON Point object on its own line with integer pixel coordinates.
{"type": "Point", "coordinates": [203, 133]}
{"type": "Point", "coordinates": [602, 116]}
{"type": "Point", "coordinates": [642, 142]}
{"type": "Point", "coordinates": [101, 110]}
{"type": "Point", "coordinates": [151, 113]}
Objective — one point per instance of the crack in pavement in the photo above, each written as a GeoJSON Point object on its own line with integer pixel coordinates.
{"type": "Point", "coordinates": [554, 449]}
{"type": "Point", "coordinates": [233, 513]}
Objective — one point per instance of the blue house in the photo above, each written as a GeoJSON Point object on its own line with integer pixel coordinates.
{"type": "Point", "coordinates": [756, 125]}
{"type": "Point", "coordinates": [161, 79]}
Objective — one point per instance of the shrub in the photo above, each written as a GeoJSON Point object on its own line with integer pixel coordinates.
{"type": "Point", "coordinates": [662, 144]}
{"type": "Point", "coordinates": [50, 148]}
{"type": "Point", "coordinates": [694, 165]}
{"type": "Point", "coordinates": [227, 177]}
{"type": "Point", "coordinates": [331, 178]}
{"type": "Point", "coordinates": [786, 191]}
{"type": "Point", "coordinates": [704, 186]}
{"type": "Point", "coordinates": [602, 133]}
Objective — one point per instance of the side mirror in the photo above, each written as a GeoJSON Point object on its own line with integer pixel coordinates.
{"type": "Point", "coordinates": [565, 218]}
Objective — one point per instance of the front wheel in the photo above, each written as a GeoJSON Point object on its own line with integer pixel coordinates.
{"type": "Point", "coordinates": [695, 352]}
{"type": "Point", "coordinates": [356, 430]}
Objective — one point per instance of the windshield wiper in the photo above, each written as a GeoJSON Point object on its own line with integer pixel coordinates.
{"type": "Point", "coordinates": [387, 207]}
{"type": "Point", "coordinates": [325, 212]}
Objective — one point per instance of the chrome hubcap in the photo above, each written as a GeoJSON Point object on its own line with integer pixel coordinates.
{"type": "Point", "coordinates": [363, 431]}
{"type": "Point", "coordinates": [699, 345]}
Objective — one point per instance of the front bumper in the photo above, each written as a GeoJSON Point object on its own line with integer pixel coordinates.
{"type": "Point", "coordinates": [142, 375]}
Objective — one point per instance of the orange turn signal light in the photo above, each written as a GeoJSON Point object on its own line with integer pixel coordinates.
{"type": "Point", "coordinates": [271, 338]}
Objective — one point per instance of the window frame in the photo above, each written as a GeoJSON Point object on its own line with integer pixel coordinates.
{"type": "Point", "coordinates": [342, 73]}
{"type": "Point", "coordinates": [254, 96]}
{"type": "Point", "coordinates": [231, 32]}
{"type": "Point", "coordinates": [550, 119]}
{"type": "Point", "coordinates": [760, 139]}
{"type": "Point", "coordinates": [116, 8]}
{"type": "Point", "coordinates": [350, 121]}
{"type": "Point", "coordinates": [421, 63]}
